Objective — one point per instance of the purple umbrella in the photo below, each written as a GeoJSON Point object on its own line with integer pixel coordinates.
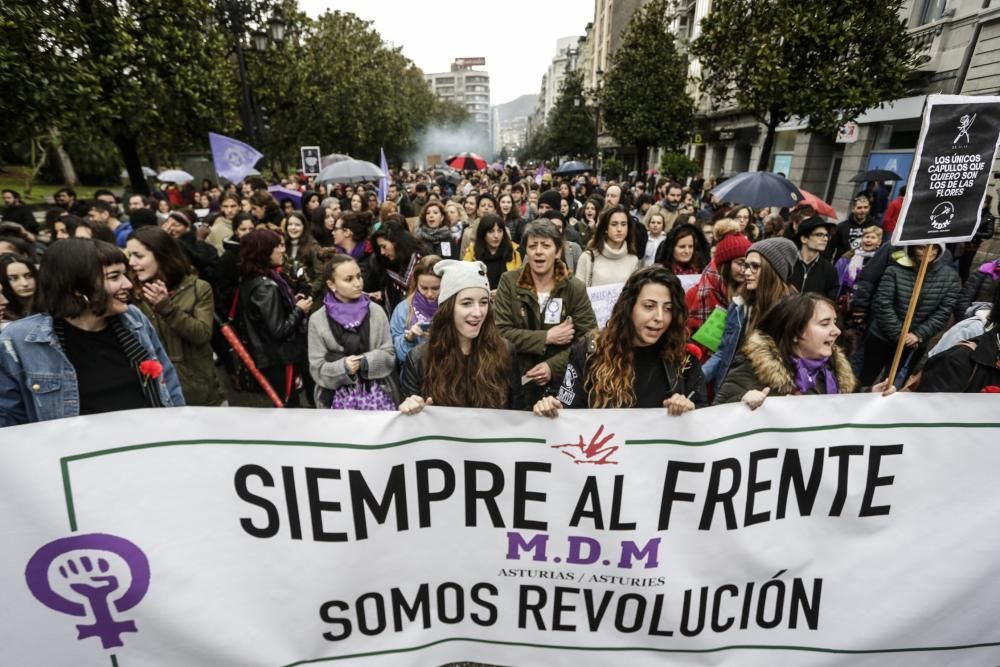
{"type": "Point", "coordinates": [497, 166]}
{"type": "Point", "coordinates": [281, 194]}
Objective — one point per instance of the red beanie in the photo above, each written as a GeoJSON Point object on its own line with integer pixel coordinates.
{"type": "Point", "coordinates": [730, 247]}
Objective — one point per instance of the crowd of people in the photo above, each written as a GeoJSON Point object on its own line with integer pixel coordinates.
{"type": "Point", "coordinates": [472, 291]}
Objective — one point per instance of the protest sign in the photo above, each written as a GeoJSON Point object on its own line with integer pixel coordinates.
{"type": "Point", "coordinates": [689, 280]}
{"type": "Point", "coordinates": [310, 160]}
{"type": "Point", "coordinates": [958, 144]}
{"type": "Point", "coordinates": [602, 300]}
{"type": "Point", "coordinates": [710, 332]}
{"type": "Point", "coordinates": [814, 530]}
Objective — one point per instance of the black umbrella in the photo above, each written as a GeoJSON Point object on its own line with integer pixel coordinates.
{"type": "Point", "coordinates": [877, 175]}
{"type": "Point", "coordinates": [757, 189]}
{"type": "Point", "coordinates": [572, 168]}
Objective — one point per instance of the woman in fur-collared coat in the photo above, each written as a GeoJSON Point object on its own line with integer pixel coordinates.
{"type": "Point", "coordinates": [793, 351]}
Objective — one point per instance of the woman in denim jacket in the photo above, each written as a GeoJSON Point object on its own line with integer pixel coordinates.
{"type": "Point", "coordinates": [87, 351]}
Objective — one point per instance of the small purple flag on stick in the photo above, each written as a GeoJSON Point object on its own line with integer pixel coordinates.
{"type": "Point", "coordinates": [539, 173]}
{"type": "Point", "coordinates": [233, 159]}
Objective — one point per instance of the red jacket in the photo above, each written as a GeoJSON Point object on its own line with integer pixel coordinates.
{"type": "Point", "coordinates": [891, 215]}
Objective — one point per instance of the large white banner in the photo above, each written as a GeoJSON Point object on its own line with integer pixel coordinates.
{"type": "Point", "coordinates": [815, 531]}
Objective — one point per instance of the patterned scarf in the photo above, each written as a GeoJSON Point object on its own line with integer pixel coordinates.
{"type": "Point", "coordinates": [404, 281]}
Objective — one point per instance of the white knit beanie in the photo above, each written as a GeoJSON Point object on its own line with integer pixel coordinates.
{"type": "Point", "coordinates": [457, 276]}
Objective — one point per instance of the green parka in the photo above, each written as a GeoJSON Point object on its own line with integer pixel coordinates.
{"type": "Point", "coordinates": [520, 321]}
{"type": "Point", "coordinates": [183, 322]}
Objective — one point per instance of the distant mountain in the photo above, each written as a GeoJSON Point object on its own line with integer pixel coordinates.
{"type": "Point", "coordinates": [516, 108]}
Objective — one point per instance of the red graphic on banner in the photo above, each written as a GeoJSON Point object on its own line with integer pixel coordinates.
{"type": "Point", "coordinates": [593, 452]}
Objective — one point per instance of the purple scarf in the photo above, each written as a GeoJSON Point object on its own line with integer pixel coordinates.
{"type": "Point", "coordinates": [357, 252]}
{"type": "Point", "coordinates": [423, 310]}
{"type": "Point", "coordinates": [808, 370]}
{"type": "Point", "coordinates": [283, 287]}
{"type": "Point", "coordinates": [348, 315]}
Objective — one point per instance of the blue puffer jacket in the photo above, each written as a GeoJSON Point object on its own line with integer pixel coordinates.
{"type": "Point", "coordinates": [717, 366]}
{"type": "Point", "coordinates": [38, 382]}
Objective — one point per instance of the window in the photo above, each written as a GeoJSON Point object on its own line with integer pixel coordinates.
{"type": "Point", "coordinates": [931, 10]}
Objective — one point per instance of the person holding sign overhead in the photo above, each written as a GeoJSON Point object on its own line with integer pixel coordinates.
{"type": "Point", "coordinates": [940, 289]}
{"type": "Point", "coordinates": [542, 309]}
{"type": "Point", "coordinates": [640, 359]}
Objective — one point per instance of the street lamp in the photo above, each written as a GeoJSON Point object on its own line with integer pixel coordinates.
{"type": "Point", "coordinates": [598, 77]}
{"type": "Point", "coordinates": [231, 16]}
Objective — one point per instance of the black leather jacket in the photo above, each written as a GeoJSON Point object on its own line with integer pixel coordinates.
{"type": "Point", "coordinates": [273, 329]}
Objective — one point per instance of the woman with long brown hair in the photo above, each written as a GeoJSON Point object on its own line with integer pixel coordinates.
{"type": "Point", "coordinates": [180, 307]}
{"type": "Point", "coordinates": [767, 270]}
{"type": "Point", "coordinates": [465, 362]}
{"type": "Point", "coordinates": [640, 359]}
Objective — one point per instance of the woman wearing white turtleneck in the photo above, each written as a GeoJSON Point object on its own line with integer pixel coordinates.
{"type": "Point", "coordinates": [610, 256]}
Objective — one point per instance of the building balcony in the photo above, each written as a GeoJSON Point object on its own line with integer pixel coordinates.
{"type": "Point", "coordinates": [928, 39]}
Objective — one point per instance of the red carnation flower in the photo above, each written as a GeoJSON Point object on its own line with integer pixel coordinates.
{"type": "Point", "coordinates": [151, 368]}
{"type": "Point", "coordinates": [990, 389]}
{"type": "Point", "coordinates": [694, 351]}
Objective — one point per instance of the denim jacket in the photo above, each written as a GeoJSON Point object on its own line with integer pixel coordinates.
{"type": "Point", "coordinates": [717, 366]}
{"type": "Point", "coordinates": [38, 382]}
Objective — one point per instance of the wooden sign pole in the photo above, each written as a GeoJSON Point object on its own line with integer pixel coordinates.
{"type": "Point", "coordinates": [911, 309]}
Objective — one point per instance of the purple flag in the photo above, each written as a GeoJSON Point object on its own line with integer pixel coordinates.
{"type": "Point", "coordinates": [383, 183]}
{"type": "Point", "coordinates": [539, 173]}
{"type": "Point", "coordinates": [233, 159]}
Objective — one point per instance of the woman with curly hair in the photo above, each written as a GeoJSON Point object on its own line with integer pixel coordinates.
{"type": "Point", "coordinates": [640, 359]}
{"type": "Point", "coordinates": [685, 251]}
{"type": "Point", "coordinates": [465, 362]}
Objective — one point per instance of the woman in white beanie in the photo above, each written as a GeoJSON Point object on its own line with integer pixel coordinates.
{"type": "Point", "coordinates": [465, 363]}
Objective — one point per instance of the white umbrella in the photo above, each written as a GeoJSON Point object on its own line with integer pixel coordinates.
{"type": "Point", "coordinates": [178, 176]}
{"type": "Point", "coordinates": [146, 171]}
{"type": "Point", "coordinates": [350, 171]}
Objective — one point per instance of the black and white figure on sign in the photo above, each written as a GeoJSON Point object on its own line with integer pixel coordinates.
{"type": "Point", "coordinates": [964, 123]}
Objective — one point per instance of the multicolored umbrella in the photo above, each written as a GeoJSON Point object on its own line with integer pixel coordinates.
{"type": "Point", "coordinates": [466, 162]}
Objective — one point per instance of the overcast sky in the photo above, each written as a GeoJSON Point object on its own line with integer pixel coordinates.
{"type": "Point", "coordinates": [517, 37]}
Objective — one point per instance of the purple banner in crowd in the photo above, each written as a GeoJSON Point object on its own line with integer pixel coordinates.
{"type": "Point", "coordinates": [233, 159]}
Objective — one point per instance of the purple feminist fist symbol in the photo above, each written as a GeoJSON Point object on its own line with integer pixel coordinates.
{"type": "Point", "coordinates": [90, 568]}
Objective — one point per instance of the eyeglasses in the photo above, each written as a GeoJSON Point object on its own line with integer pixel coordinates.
{"type": "Point", "coordinates": [751, 267]}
